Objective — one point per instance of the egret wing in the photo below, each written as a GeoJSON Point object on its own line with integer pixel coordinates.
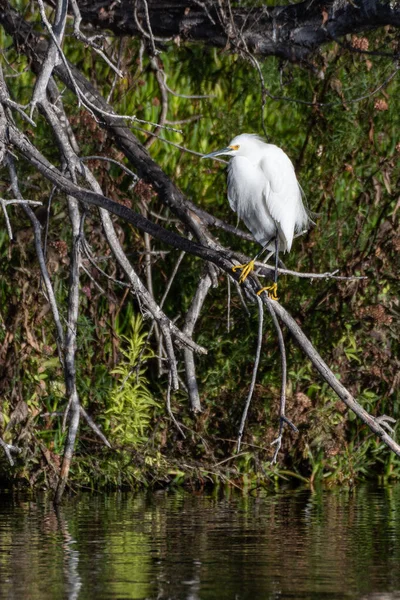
{"type": "Point", "coordinates": [246, 189]}
{"type": "Point", "coordinates": [282, 194]}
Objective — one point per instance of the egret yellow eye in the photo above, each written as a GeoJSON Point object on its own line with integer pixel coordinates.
{"type": "Point", "coordinates": [235, 147]}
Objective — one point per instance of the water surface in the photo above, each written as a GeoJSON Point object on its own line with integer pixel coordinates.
{"type": "Point", "coordinates": [295, 544]}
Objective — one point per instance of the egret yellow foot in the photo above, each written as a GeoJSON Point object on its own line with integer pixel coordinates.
{"type": "Point", "coordinates": [272, 291]}
{"type": "Point", "coordinates": [246, 270]}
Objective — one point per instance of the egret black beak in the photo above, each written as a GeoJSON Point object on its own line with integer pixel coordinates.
{"type": "Point", "coordinates": [226, 150]}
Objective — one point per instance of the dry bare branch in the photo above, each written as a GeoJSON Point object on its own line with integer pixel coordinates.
{"type": "Point", "coordinates": [9, 449]}
{"type": "Point", "coordinates": [190, 321]}
{"type": "Point", "coordinates": [255, 371]}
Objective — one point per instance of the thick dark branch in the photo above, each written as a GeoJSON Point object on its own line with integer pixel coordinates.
{"type": "Point", "coordinates": [291, 32]}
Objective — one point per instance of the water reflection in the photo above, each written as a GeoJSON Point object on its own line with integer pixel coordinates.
{"type": "Point", "coordinates": [297, 544]}
{"type": "Point", "coordinates": [70, 556]}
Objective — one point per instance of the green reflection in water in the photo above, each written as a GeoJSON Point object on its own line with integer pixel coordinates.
{"type": "Point", "coordinates": [295, 544]}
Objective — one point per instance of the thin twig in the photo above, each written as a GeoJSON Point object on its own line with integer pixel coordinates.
{"type": "Point", "coordinates": [92, 279]}
{"type": "Point", "coordinates": [148, 264]}
{"type": "Point", "coordinates": [40, 255]}
{"type": "Point", "coordinates": [46, 229]}
{"type": "Point", "coordinates": [174, 144]}
{"type": "Point", "coordinates": [169, 410]}
{"type": "Point", "coordinates": [90, 41]}
{"type": "Point", "coordinates": [95, 427]}
{"type": "Point", "coordinates": [244, 48]}
{"type": "Point", "coordinates": [114, 162]}
{"type": "Point", "coordinates": [88, 254]}
{"type": "Point", "coordinates": [184, 121]}
{"type": "Point", "coordinates": [186, 96]}
{"type": "Point", "coordinates": [164, 103]}
{"type": "Point", "coordinates": [228, 308]}
{"type": "Point", "coordinates": [172, 277]}
{"type": "Point", "coordinates": [255, 370]}
{"type": "Point", "coordinates": [7, 220]}
{"type": "Point", "coordinates": [6, 100]}
{"type": "Point", "coordinates": [114, 83]}
{"type": "Point", "coordinates": [240, 294]}
{"type": "Point", "coordinates": [345, 101]}
{"type": "Point", "coordinates": [134, 118]}
{"type": "Point", "coordinates": [327, 275]}
{"type": "Point", "coordinates": [282, 404]}
{"type": "Point", "coordinates": [147, 35]}
{"type": "Point", "coordinates": [221, 462]}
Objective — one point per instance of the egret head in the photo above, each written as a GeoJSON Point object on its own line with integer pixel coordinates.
{"type": "Point", "coordinates": [242, 144]}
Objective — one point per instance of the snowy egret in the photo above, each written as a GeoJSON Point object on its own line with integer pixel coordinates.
{"type": "Point", "coordinates": [264, 192]}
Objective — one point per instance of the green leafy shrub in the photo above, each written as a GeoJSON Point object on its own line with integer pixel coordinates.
{"type": "Point", "coordinates": [131, 404]}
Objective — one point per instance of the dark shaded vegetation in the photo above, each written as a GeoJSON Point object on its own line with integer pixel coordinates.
{"type": "Point", "coordinates": [338, 118]}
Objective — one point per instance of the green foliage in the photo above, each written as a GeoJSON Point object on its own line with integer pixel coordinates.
{"type": "Point", "coordinates": [131, 405]}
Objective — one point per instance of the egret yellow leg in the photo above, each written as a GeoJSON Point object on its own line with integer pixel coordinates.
{"type": "Point", "coordinates": [272, 291]}
{"type": "Point", "coordinates": [246, 270]}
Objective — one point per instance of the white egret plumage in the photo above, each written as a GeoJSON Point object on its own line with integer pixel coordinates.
{"type": "Point", "coordinates": [264, 192]}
